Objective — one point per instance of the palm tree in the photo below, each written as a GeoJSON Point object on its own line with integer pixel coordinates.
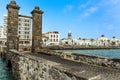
{"type": "Point", "coordinates": [113, 37]}
{"type": "Point", "coordinates": [102, 35]}
{"type": "Point", "coordinates": [83, 39]}
{"type": "Point", "coordinates": [113, 43]}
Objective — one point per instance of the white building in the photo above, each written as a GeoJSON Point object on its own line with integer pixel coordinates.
{"type": "Point", "coordinates": [102, 41]}
{"type": "Point", "coordinates": [2, 39]}
{"type": "Point", "coordinates": [114, 41]}
{"type": "Point", "coordinates": [1, 32]}
{"type": "Point", "coordinates": [24, 29]}
{"type": "Point", "coordinates": [51, 38]}
{"type": "Point", "coordinates": [67, 41]}
{"type": "Point", "coordinates": [82, 42]}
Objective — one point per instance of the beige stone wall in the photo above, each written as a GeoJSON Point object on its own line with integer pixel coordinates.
{"type": "Point", "coordinates": [27, 67]}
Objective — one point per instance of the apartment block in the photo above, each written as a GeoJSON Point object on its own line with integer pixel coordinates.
{"type": "Point", "coordinates": [24, 29]}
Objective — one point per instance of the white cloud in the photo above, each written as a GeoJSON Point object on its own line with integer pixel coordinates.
{"type": "Point", "coordinates": [113, 6]}
{"type": "Point", "coordinates": [85, 5]}
{"type": "Point", "coordinates": [110, 27]}
{"type": "Point", "coordinates": [109, 3]}
{"type": "Point", "coordinates": [67, 8]}
{"type": "Point", "coordinates": [90, 11]}
{"type": "Point", "coordinates": [115, 2]}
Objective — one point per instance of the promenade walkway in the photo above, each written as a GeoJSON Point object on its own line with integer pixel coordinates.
{"type": "Point", "coordinates": [86, 71]}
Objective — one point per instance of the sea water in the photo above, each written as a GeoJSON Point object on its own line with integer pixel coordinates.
{"type": "Point", "coordinates": [110, 53]}
{"type": "Point", "coordinates": [5, 73]}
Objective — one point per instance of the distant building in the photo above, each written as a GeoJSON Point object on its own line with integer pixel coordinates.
{"type": "Point", "coordinates": [83, 42]}
{"type": "Point", "coordinates": [1, 32]}
{"type": "Point", "coordinates": [67, 41]}
{"type": "Point", "coordinates": [24, 29]}
{"type": "Point", "coordinates": [102, 41]}
{"type": "Point", "coordinates": [114, 41]}
{"type": "Point", "coordinates": [5, 26]}
{"type": "Point", "coordinates": [69, 34]}
{"type": "Point", "coordinates": [2, 39]}
{"type": "Point", "coordinates": [45, 39]}
{"type": "Point", "coordinates": [51, 38]}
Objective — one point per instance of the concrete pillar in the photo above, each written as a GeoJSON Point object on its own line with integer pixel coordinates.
{"type": "Point", "coordinates": [36, 29]}
{"type": "Point", "coordinates": [12, 25]}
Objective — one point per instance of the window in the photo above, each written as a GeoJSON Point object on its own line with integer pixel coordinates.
{"type": "Point", "coordinates": [19, 28]}
{"type": "Point", "coordinates": [51, 40]}
{"type": "Point", "coordinates": [19, 24]}
{"type": "Point", "coordinates": [25, 25]}
{"type": "Point", "coordinates": [27, 42]}
{"type": "Point", "coordinates": [27, 36]}
{"type": "Point", "coordinates": [19, 32]}
{"type": "Point", "coordinates": [56, 36]}
{"type": "Point", "coordinates": [25, 20]}
{"type": "Point", "coordinates": [21, 42]}
{"type": "Point", "coordinates": [26, 28]}
{"type": "Point", "coordinates": [26, 32]}
{"type": "Point", "coordinates": [19, 19]}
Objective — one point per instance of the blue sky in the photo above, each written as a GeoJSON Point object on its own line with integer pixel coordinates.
{"type": "Point", "coordinates": [85, 18]}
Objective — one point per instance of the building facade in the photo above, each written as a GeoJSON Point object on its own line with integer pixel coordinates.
{"type": "Point", "coordinates": [1, 32]}
{"type": "Point", "coordinates": [102, 41]}
{"type": "Point", "coordinates": [51, 38]}
{"type": "Point", "coordinates": [24, 29]}
{"type": "Point", "coordinates": [2, 38]}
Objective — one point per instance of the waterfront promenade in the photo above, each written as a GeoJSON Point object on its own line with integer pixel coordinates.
{"type": "Point", "coordinates": [85, 71]}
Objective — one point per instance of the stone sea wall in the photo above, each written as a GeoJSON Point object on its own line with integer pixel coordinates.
{"type": "Point", "coordinates": [27, 67]}
{"type": "Point", "coordinates": [95, 60]}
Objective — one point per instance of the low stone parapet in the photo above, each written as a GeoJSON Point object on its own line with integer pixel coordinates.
{"type": "Point", "coordinates": [33, 67]}
{"type": "Point", "coordinates": [39, 66]}
{"type": "Point", "coordinates": [95, 60]}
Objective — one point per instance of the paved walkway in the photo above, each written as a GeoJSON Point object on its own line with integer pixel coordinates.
{"type": "Point", "coordinates": [83, 70]}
